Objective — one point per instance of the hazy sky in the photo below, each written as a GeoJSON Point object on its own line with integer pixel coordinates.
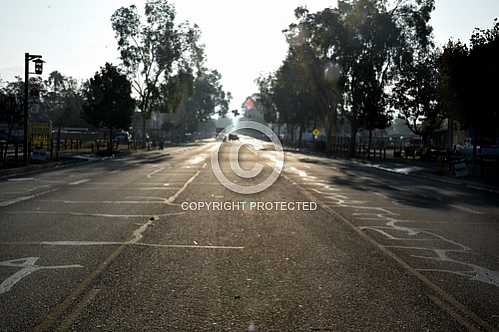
{"type": "Point", "coordinates": [243, 38]}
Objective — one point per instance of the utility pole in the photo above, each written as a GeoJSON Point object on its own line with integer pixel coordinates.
{"type": "Point", "coordinates": [38, 70]}
{"type": "Point", "coordinates": [25, 108]}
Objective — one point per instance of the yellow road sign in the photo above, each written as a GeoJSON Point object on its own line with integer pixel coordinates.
{"type": "Point", "coordinates": [40, 135]}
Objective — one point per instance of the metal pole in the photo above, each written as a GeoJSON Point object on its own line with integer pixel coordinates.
{"type": "Point", "coordinates": [25, 106]}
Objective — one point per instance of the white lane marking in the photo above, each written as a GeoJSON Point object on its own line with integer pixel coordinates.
{"type": "Point", "coordinates": [28, 266]}
{"type": "Point", "coordinates": [20, 179]}
{"type": "Point", "coordinates": [138, 233]}
{"type": "Point", "coordinates": [25, 198]}
{"type": "Point", "coordinates": [483, 189]}
{"type": "Point", "coordinates": [392, 230]}
{"type": "Point", "coordinates": [465, 209]}
{"type": "Point", "coordinates": [16, 200]}
{"type": "Point", "coordinates": [157, 188]}
{"type": "Point", "coordinates": [418, 274]}
{"type": "Point", "coordinates": [96, 215]}
{"type": "Point", "coordinates": [154, 245]}
{"type": "Point", "coordinates": [163, 201]}
{"type": "Point", "coordinates": [149, 200]}
{"type": "Point", "coordinates": [154, 172]}
{"type": "Point", "coordinates": [187, 246]}
{"type": "Point", "coordinates": [296, 171]}
{"type": "Point", "coordinates": [197, 160]}
{"type": "Point", "coordinates": [75, 183]}
{"type": "Point", "coordinates": [172, 198]}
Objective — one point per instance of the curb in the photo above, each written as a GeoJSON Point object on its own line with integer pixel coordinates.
{"type": "Point", "coordinates": [15, 172]}
{"type": "Point", "coordinates": [428, 177]}
{"type": "Point", "coordinates": [441, 180]}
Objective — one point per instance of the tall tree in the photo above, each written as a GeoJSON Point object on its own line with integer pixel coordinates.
{"type": "Point", "coordinates": [483, 116]}
{"type": "Point", "coordinates": [108, 101]}
{"type": "Point", "coordinates": [151, 48]}
{"type": "Point", "coordinates": [469, 81]}
{"type": "Point", "coordinates": [416, 91]}
{"type": "Point", "coordinates": [11, 112]}
{"type": "Point", "coordinates": [208, 96]}
{"type": "Point", "coordinates": [348, 53]}
{"type": "Point", "coordinates": [64, 100]}
{"type": "Point", "coordinates": [266, 98]}
{"type": "Point", "coordinates": [322, 75]}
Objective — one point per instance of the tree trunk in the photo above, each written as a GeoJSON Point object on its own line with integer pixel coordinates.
{"type": "Point", "coordinates": [331, 129]}
{"type": "Point", "coordinates": [353, 138]}
{"type": "Point", "coordinates": [4, 153]}
{"type": "Point", "coordinates": [369, 143]}
{"type": "Point", "coordinates": [7, 147]}
{"type": "Point", "coordinates": [475, 152]}
{"type": "Point", "coordinates": [143, 129]}
{"type": "Point", "coordinates": [291, 129]}
{"type": "Point", "coordinates": [300, 136]}
{"type": "Point", "coordinates": [111, 141]}
{"type": "Point", "coordinates": [450, 125]}
{"type": "Point", "coordinates": [58, 141]}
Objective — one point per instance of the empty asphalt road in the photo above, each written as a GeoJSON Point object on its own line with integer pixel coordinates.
{"type": "Point", "coordinates": [136, 243]}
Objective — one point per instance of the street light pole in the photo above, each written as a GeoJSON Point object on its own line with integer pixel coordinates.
{"type": "Point", "coordinates": [25, 108]}
{"type": "Point", "coordinates": [38, 70]}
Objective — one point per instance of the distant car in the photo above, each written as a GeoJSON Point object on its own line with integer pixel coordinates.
{"type": "Point", "coordinates": [122, 137]}
{"type": "Point", "coordinates": [233, 137]}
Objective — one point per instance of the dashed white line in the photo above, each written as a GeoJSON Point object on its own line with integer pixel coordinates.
{"type": "Point", "coordinates": [465, 209]}
{"type": "Point", "coordinates": [82, 181]}
{"type": "Point", "coordinates": [16, 200]}
{"type": "Point", "coordinates": [20, 179]}
{"type": "Point", "coordinates": [154, 172]}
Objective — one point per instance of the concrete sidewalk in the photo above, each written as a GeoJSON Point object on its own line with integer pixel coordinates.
{"type": "Point", "coordinates": [40, 167]}
{"type": "Point", "coordinates": [76, 159]}
{"type": "Point", "coordinates": [428, 170]}
{"type": "Point", "coordinates": [411, 167]}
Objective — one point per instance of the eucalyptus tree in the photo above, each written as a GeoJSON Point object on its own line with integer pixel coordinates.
{"type": "Point", "coordinates": [322, 76]}
{"type": "Point", "coordinates": [359, 39]}
{"type": "Point", "coordinates": [416, 92]}
{"type": "Point", "coordinates": [64, 100]}
{"type": "Point", "coordinates": [153, 49]}
{"type": "Point", "coordinates": [208, 98]}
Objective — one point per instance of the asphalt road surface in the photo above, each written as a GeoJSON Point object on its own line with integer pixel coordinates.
{"type": "Point", "coordinates": [129, 244]}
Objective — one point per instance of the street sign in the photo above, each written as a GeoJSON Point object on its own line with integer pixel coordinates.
{"type": "Point", "coordinates": [316, 132]}
{"type": "Point", "coordinates": [40, 135]}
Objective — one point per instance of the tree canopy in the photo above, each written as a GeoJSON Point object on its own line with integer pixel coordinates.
{"type": "Point", "coordinates": [108, 100]}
